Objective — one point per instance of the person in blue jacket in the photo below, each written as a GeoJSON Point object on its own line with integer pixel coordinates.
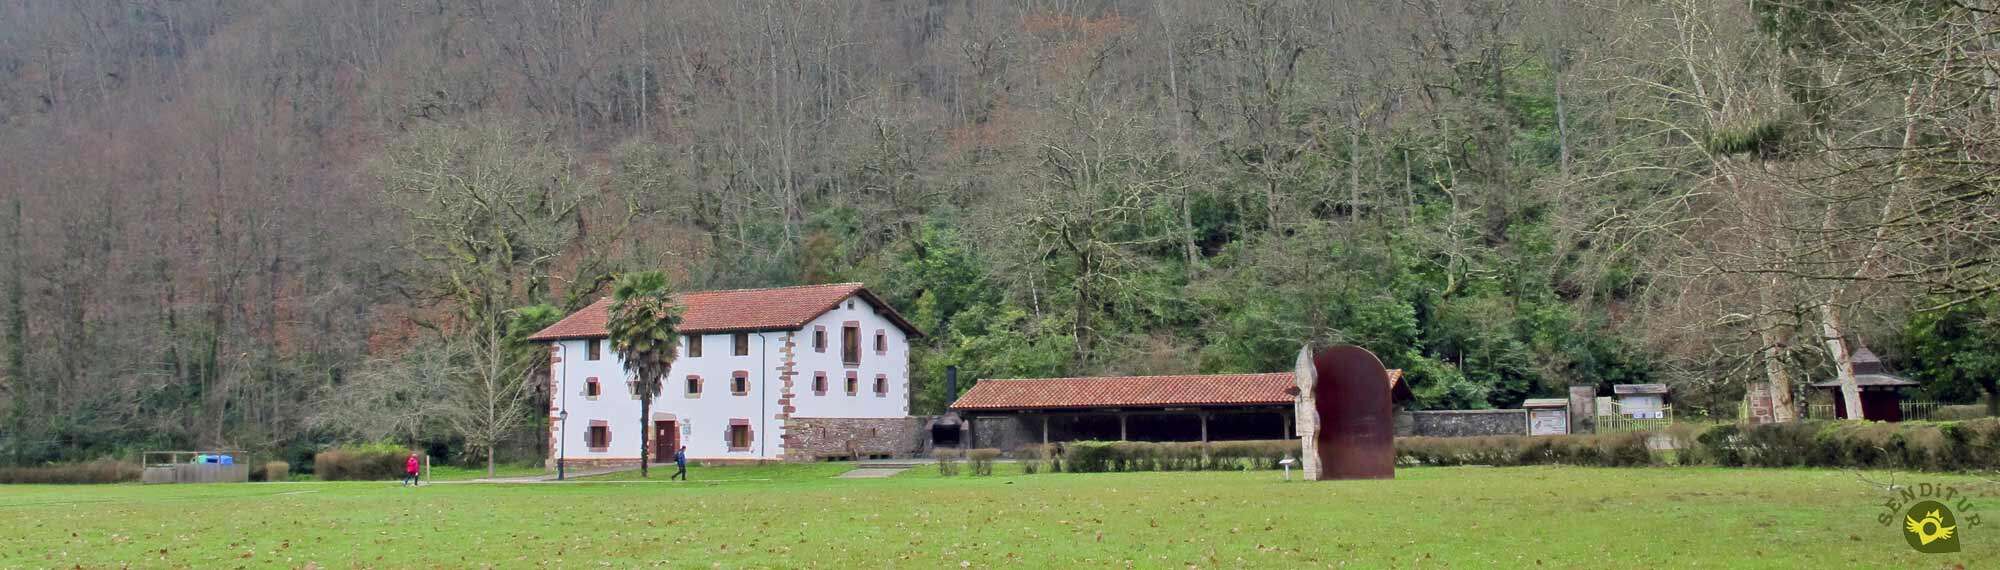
{"type": "Point", "coordinates": [680, 464]}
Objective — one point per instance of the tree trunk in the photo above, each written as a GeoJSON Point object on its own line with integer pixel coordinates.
{"type": "Point", "coordinates": [1843, 363]}
{"type": "Point", "coordinates": [489, 461]}
{"type": "Point", "coordinates": [1992, 386]}
{"type": "Point", "coordinates": [1782, 409]}
{"type": "Point", "coordinates": [645, 432]}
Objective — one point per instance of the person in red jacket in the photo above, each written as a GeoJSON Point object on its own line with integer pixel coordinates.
{"type": "Point", "coordinates": [410, 471]}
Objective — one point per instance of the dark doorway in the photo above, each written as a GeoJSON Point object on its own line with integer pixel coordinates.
{"type": "Point", "coordinates": [666, 439]}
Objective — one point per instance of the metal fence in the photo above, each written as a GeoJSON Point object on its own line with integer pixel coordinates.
{"type": "Point", "coordinates": [1622, 420]}
{"type": "Point", "coordinates": [1912, 411]}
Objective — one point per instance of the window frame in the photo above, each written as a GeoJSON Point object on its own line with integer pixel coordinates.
{"type": "Point", "coordinates": [693, 345]}
{"type": "Point", "coordinates": [881, 385]}
{"type": "Point", "coordinates": [593, 349]}
{"type": "Point", "coordinates": [739, 383]}
{"type": "Point", "coordinates": [739, 426]}
{"type": "Point", "coordinates": [881, 342]}
{"type": "Point", "coordinates": [591, 388]}
{"type": "Point", "coordinates": [853, 383]}
{"type": "Point", "coordinates": [740, 344]}
{"type": "Point", "coordinates": [819, 384]}
{"type": "Point", "coordinates": [693, 386]}
{"type": "Point", "coordinates": [597, 437]}
{"type": "Point", "coordinates": [819, 339]}
{"type": "Point", "coordinates": [850, 343]}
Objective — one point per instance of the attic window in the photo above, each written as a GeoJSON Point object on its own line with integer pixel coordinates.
{"type": "Point", "coordinates": [694, 346]}
{"type": "Point", "coordinates": [819, 338]}
{"type": "Point", "coordinates": [742, 341]}
{"type": "Point", "coordinates": [593, 349]}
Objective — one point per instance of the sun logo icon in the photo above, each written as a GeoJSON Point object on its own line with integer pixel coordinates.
{"type": "Point", "coordinates": [1929, 527]}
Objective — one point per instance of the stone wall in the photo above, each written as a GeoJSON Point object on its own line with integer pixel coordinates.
{"type": "Point", "coordinates": [816, 439]}
{"type": "Point", "coordinates": [1006, 433]}
{"type": "Point", "coordinates": [1462, 423]}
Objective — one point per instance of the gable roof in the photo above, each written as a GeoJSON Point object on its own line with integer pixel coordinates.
{"type": "Point", "coordinates": [734, 310]}
{"type": "Point", "coordinates": [1274, 388]}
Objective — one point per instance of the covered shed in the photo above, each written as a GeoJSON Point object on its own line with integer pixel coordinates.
{"type": "Point", "coordinates": [1188, 407]}
{"type": "Point", "coordinates": [1881, 392]}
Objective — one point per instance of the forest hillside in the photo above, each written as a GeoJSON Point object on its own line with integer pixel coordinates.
{"type": "Point", "coordinates": [276, 224]}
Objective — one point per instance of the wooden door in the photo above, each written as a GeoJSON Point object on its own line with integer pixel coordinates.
{"type": "Point", "coordinates": [666, 439]}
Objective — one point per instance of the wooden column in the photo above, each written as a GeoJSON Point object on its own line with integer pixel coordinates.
{"type": "Point", "coordinates": [1045, 429]}
{"type": "Point", "coordinates": [1121, 426]}
{"type": "Point", "coordinates": [965, 443]}
{"type": "Point", "coordinates": [1284, 425]}
{"type": "Point", "coordinates": [1204, 435]}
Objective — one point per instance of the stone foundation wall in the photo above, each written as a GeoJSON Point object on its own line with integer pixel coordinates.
{"type": "Point", "coordinates": [816, 439]}
{"type": "Point", "coordinates": [1462, 423]}
{"type": "Point", "coordinates": [575, 464]}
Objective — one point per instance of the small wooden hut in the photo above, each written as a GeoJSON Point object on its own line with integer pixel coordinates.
{"type": "Point", "coordinates": [1881, 392]}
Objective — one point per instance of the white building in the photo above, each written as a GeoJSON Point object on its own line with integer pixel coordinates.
{"type": "Point", "coordinates": [797, 373]}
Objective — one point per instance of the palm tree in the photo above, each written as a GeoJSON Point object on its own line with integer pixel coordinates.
{"type": "Point", "coordinates": [642, 324]}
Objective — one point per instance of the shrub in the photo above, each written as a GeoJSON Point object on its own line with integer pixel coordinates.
{"type": "Point", "coordinates": [1031, 460]}
{"type": "Point", "coordinates": [1961, 412]}
{"type": "Point", "coordinates": [982, 460]}
{"type": "Point", "coordinates": [947, 461]}
{"type": "Point", "coordinates": [94, 472]}
{"type": "Point", "coordinates": [277, 471]}
{"type": "Point", "coordinates": [378, 462]}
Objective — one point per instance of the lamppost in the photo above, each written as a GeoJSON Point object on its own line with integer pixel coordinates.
{"type": "Point", "coordinates": [562, 416]}
{"type": "Point", "coordinates": [562, 439]}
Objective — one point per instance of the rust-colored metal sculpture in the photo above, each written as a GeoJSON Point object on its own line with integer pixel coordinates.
{"type": "Point", "coordinates": [1345, 415]}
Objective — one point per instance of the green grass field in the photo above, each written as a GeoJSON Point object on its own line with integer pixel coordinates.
{"type": "Point", "coordinates": [797, 516]}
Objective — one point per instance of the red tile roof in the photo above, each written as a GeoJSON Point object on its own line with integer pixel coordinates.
{"type": "Point", "coordinates": [736, 310]}
{"type": "Point", "coordinates": [1134, 391]}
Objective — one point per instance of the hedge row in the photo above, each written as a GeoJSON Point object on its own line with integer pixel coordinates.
{"type": "Point", "coordinates": [360, 463]}
{"type": "Point", "coordinates": [100, 471]}
{"type": "Point", "coordinates": [1123, 456]}
{"type": "Point", "coordinates": [1608, 450]}
{"type": "Point", "coordinates": [1925, 446]}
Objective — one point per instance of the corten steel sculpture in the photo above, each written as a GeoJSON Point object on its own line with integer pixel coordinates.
{"type": "Point", "coordinates": [1345, 418]}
